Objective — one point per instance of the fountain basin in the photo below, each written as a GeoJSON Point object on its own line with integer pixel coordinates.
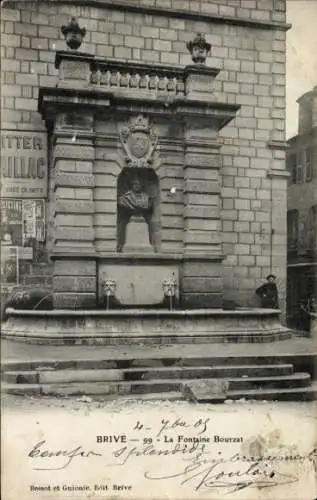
{"type": "Point", "coordinates": [144, 326]}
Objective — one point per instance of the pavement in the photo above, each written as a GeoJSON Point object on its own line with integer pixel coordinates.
{"type": "Point", "coordinates": [22, 351]}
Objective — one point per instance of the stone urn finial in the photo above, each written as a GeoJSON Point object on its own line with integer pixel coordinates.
{"type": "Point", "coordinates": [199, 49]}
{"type": "Point", "coordinates": [73, 34]}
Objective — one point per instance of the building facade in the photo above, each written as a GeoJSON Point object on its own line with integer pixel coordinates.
{"type": "Point", "coordinates": [302, 210]}
{"type": "Point", "coordinates": [247, 54]}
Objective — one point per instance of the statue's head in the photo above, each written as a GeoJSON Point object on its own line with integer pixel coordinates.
{"type": "Point", "coordinates": [136, 185]}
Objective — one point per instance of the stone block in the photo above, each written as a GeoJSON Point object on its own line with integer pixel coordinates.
{"type": "Point", "coordinates": [26, 104]}
{"type": "Point", "coordinates": [73, 300]}
{"type": "Point", "coordinates": [106, 207]}
{"type": "Point", "coordinates": [202, 269]}
{"type": "Point", "coordinates": [196, 186]}
{"type": "Point", "coordinates": [227, 203]}
{"type": "Point", "coordinates": [229, 215]}
{"type": "Point", "coordinates": [168, 221]}
{"type": "Point", "coordinates": [150, 56]}
{"type": "Point", "coordinates": [240, 204]}
{"type": "Point", "coordinates": [210, 391]}
{"type": "Point", "coordinates": [39, 43]}
{"type": "Point", "coordinates": [202, 224]}
{"type": "Point", "coordinates": [73, 220]}
{"type": "Point", "coordinates": [170, 58]}
{"type": "Point", "coordinates": [84, 194]}
{"type": "Point", "coordinates": [170, 234]}
{"type": "Point", "coordinates": [246, 215]}
{"type": "Point", "coordinates": [199, 85]}
{"type": "Point", "coordinates": [105, 232]}
{"type": "Point", "coordinates": [74, 268]}
{"type": "Point", "coordinates": [241, 249]}
{"type": "Point", "coordinates": [10, 14]}
{"type": "Point", "coordinates": [202, 199]}
{"type": "Point", "coordinates": [74, 206]}
{"type": "Point", "coordinates": [78, 70]}
{"type": "Point", "coordinates": [201, 300]}
{"type": "Point", "coordinates": [193, 237]}
{"type": "Point", "coordinates": [62, 193]}
{"type": "Point", "coordinates": [246, 260]}
{"type": "Point", "coordinates": [202, 212]}
{"type": "Point", "coordinates": [74, 284]}
{"type": "Point", "coordinates": [10, 40]}
{"type": "Point", "coordinates": [109, 219]}
{"type": "Point", "coordinates": [152, 32]}
{"type": "Point", "coordinates": [74, 180]}
{"type": "Point", "coordinates": [64, 151]}
{"type": "Point", "coordinates": [232, 64]}
{"type": "Point", "coordinates": [166, 34]}
{"type": "Point", "coordinates": [47, 31]}
{"type": "Point", "coordinates": [247, 193]}
{"type": "Point", "coordinates": [74, 233]}
{"type": "Point", "coordinates": [229, 238]}
{"type": "Point", "coordinates": [195, 162]}
{"type": "Point", "coordinates": [106, 194]}
{"type": "Point", "coordinates": [134, 42]}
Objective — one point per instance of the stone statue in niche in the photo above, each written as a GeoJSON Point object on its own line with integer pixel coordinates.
{"type": "Point", "coordinates": [137, 189]}
{"type": "Point", "coordinates": [137, 204]}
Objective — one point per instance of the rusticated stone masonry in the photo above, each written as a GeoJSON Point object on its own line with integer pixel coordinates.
{"type": "Point", "coordinates": [248, 46]}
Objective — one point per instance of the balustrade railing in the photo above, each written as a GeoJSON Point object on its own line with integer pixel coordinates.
{"type": "Point", "coordinates": [158, 80]}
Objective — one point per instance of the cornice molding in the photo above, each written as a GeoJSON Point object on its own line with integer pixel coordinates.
{"type": "Point", "coordinates": [122, 5]}
{"type": "Point", "coordinates": [281, 145]}
{"type": "Point", "coordinates": [280, 174]}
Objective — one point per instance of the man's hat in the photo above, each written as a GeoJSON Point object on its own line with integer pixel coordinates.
{"type": "Point", "coordinates": [271, 276]}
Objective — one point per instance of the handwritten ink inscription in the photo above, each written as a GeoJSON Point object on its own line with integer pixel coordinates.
{"type": "Point", "coordinates": [195, 457]}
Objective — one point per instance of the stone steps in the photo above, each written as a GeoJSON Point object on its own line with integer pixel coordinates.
{"type": "Point", "coordinates": [147, 373]}
{"type": "Point", "coordinates": [240, 386]}
{"type": "Point", "coordinates": [291, 394]}
{"type": "Point", "coordinates": [127, 362]}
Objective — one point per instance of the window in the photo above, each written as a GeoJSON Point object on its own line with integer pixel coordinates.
{"type": "Point", "coordinates": [291, 166]}
{"type": "Point", "coordinates": [312, 228]}
{"type": "Point", "coordinates": [292, 229]}
{"type": "Point", "coordinates": [305, 116]}
{"type": "Point", "coordinates": [308, 164]}
{"type": "Point", "coordinates": [280, 5]}
{"type": "Point", "coordinates": [299, 173]}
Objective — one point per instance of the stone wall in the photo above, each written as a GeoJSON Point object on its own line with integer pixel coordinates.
{"type": "Point", "coordinates": [249, 48]}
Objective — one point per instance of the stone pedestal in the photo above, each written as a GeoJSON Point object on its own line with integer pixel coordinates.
{"type": "Point", "coordinates": [199, 81]}
{"type": "Point", "coordinates": [74, 69]}
{"type": "Point", "coordinates": [137, 236]}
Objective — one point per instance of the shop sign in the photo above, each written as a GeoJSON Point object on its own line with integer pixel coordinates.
{"type": "Point", "coordinates": [23, 164]}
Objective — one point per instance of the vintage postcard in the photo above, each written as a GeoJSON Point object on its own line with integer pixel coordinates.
{"type": "Point", "coordinates": [159, 249]}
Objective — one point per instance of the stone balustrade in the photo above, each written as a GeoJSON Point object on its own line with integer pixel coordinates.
{"type": "Point", "coordinates": [121, 76]}
{"type": "Point", "coordinates": [78, 70]}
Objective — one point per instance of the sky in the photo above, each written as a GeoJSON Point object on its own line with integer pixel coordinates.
{"type": "Point", "coordinates": [301, 57]}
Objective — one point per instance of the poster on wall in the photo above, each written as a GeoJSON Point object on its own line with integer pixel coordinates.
{"type": "Point", "coordinates": [22, 220]}
{"type": "Point", "coordinates": [9, 264]}
{"type": "Point", "coordinates": [23, 164]}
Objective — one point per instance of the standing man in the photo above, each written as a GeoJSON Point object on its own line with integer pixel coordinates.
{"type": "Point", "coordinates": [268, 293]}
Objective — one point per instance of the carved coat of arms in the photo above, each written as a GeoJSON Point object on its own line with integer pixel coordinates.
{"type": "Point", "coordinates": [139, 142]}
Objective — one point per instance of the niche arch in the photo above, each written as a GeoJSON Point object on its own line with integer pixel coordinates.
{"type": "Point", "coordinates": [138, 202]}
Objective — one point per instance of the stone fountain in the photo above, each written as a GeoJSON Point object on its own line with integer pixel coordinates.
{"type": "Point", "coordinates": [134, 202]}
{"type": "Point", "coordinates": [135, 179]}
